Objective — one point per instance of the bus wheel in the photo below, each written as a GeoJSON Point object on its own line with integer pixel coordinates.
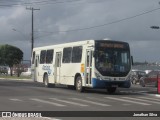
{"type": "Point", "coordinates": [79, 87]}
{"type": "Point", "coordinates": [111, 90]}
{"type": "Point", "coordinates": [46, 84]}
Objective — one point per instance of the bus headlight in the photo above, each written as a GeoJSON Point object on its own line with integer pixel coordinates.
{"type": "Point", "coordinates": [98, 76]}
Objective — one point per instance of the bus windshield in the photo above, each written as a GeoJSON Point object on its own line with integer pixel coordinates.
{"type": "Point", "coordinates": [112, 58]}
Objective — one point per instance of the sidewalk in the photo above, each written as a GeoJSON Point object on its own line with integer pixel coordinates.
{"type": "Point", "coordinates": [24, 79]}
{"type": "Point", "coordinates": [152, 93]}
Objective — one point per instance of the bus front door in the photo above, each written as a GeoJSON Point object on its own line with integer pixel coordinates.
{"type": "Point", "coordinates": [36, 68]}
{"type": "Point", "coordinates": [88, 71]}
{"type": "Point", "coordinates": [57, 67]}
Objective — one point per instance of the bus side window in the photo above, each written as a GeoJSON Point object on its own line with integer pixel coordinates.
{"type": "Point", "coordinates": [49, 56]}
{"type": "Point", "coordinates": [67, 52]}
{"type": "Point", "coordinates": [89, 57]}
{"type": "Point", "coordinates": [77, 54]}
{"type": "Point", "coordinates": [43, 57]}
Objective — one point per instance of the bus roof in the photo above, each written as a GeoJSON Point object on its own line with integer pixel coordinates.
{"type": "Point", "coordinates": [73, 43]}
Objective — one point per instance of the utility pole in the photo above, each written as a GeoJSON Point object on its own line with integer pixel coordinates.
{"type": "Point", "coordinates": [32, 35]}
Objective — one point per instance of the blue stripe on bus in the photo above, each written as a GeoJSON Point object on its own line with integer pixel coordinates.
{"type": "Point", "coordinates": [96, 83]}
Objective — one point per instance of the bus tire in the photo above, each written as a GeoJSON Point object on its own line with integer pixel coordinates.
{"type": "Point", "coordinates": [111, 90]}
{"type": "Point", "coordinates": [46, 83]}
{"type": "Point", "coordinates": [79, 87]}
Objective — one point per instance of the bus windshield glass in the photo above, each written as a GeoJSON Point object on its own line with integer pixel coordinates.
{"type": "Point", "coordinates": [112, 58]}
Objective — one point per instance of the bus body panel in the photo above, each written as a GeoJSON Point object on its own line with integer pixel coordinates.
{"type": "Point", "coordinates": [60, 72]}
{"type": "Point", "coordinates": [69, 74]}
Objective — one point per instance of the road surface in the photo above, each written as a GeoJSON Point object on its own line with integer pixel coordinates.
{"type": "Point", "coordinates": [16, 95]}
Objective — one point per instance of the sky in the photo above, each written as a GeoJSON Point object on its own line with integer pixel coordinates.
{"type": "Point", "coordinates": [61, 21]}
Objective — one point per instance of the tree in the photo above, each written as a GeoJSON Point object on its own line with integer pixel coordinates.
{"type": "Point", "coordinates": [10, 55]}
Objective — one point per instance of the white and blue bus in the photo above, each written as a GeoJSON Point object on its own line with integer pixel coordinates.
{"type": "Point", "coordinates": [83, 64]}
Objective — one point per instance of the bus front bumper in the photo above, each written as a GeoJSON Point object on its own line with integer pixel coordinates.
{"type": "Point", "coordinates": [96, 83]}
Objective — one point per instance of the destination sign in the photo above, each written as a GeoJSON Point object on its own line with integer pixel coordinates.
{"type": "Point", "coordinates": [112, 45]}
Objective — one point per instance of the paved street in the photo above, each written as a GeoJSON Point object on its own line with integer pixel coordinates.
{"type": "Point", "coordinates": [30, 96]}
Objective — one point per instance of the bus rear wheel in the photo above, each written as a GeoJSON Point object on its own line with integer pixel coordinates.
{"type": "Point", "coordinates": [46, 83]}
{"type": "Point", "coordinates": [79, 87]}
{"type": "Point", "coordinates": [111, 90]}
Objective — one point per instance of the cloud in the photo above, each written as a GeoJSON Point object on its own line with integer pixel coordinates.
{"type": "Point", "coordinates": [52, 18]}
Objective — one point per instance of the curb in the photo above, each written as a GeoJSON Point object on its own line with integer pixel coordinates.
{"type": "Point", "coordinates": [158, 95]}
{"type": "Point", "coordinates": [149, 94]}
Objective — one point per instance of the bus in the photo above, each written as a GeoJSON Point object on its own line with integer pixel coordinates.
{"type": "Point", "coordinates": [83, 64]}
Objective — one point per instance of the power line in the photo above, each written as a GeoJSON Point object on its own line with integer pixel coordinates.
{"type": "Point", "coordinates": [12, 3]}
{"type": "Point", "coordinates": [38, 3]}
{"type": "Point", "coordinates": [92, 27]}
{"type": "Point", "coordinates": [106, 24]}
{"type": "Point", "coordinates": [59, 2]}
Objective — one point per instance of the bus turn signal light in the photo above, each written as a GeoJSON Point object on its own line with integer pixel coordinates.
{"type": "Point", "coordinates": [82, 68]}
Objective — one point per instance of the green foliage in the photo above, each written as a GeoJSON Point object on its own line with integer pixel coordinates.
{"type": "Point", "coordinates": [10, 55]}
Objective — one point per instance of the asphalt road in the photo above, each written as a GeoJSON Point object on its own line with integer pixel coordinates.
{"type": "Point", "coordinates": [22, 96]}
